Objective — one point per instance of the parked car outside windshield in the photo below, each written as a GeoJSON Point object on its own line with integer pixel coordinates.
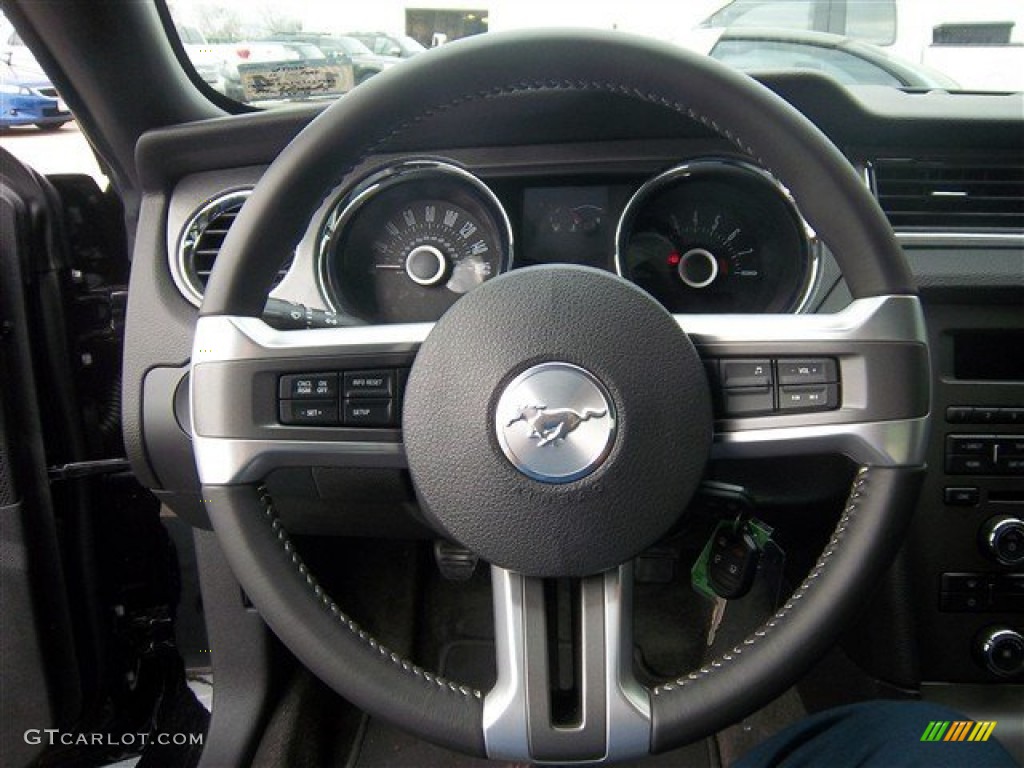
{"type": "Point", "coordinates": [27, 99]}
{"type": "Point", "coordinates": [849, 61]}
{"type": "Point", "coordinates": [898, 43]}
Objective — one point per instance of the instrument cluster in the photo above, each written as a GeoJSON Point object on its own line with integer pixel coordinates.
{"type": "Point", "coordinates": [713, 235]}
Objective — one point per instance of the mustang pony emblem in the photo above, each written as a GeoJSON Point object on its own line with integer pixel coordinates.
{"type": "Point", "coordinates": [554, 424]}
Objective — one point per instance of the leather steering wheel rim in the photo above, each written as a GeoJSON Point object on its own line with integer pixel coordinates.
{"type": "Point", "coordinates": [762, 126]}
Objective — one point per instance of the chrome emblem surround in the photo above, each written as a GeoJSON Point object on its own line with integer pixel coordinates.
{"type": "Point", "coordinates": [555, 422]}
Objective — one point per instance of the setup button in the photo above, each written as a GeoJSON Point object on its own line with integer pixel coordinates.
{"type": "Point", "coordinates": [367, 413]}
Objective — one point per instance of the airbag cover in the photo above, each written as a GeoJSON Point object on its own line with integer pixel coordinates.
{"type": "Point", "coordinates": [657, 391]}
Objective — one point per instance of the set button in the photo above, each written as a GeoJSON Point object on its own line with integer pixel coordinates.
{"type": "Point", "coordinates": [317, 413]}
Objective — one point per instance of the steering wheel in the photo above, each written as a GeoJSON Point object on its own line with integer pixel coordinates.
{"type": "Point", "coordinates": [625, 403]}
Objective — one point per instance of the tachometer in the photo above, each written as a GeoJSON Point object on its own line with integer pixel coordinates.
{"type": "Point", "coordinates": [716, 236]}
{"type": "Point", "coordinates": [411, 240]}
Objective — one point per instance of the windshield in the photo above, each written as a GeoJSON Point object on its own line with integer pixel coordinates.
{"type": "Point", "coordinates": [909, 44]}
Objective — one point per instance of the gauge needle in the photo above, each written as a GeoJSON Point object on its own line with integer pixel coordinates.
{"type": "Point", "coordinates": [388, 266]}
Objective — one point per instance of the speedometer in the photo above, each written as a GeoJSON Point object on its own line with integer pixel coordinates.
{"type": "Point", "coordinates": [716, 236]}
{"type": "Point", "coordinates": [409, 241]}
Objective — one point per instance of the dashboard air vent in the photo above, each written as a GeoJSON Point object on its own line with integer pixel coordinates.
{"type": "Point", "coordinates": [943, 195]}
{"type": "Point", "coordinates": [201, 241]}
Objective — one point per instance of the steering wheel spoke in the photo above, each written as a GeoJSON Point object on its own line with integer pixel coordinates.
{"type": "Point", "coordinates": [549, 709]}
{"type": "Point", "coordinates": [240, 419]}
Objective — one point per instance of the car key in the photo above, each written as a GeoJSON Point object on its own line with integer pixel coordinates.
{"type": "Point", "coordinates": [717, 615]}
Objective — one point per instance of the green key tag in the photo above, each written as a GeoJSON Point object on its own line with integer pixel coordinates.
{"type": "Point", "coordinates": [755, 532]}
{"type": "Point", "coordinates": [761, 532]}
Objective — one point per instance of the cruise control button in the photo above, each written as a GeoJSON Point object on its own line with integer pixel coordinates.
{"type": "Point", "coordinates": [367, 413]}
{"type": "Point", "coordinates": [745, 373]}
{"type": "Point", "coordinates": [321, 413]}
{"type": "Point", "coordinates": [377, 384]}
{"type": "Point", "coordinates": [814, 397]}
{"type": "Point", "coordinates": [309, 386]}
{"type": "Point", "coordinates": [818, 371]}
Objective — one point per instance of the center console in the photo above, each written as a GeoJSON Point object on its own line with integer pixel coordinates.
{"type": "Point", "coordinates": [967, 546]}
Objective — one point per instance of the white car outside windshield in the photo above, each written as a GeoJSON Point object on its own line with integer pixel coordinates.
{"type": "Point", "coordinates": [934, 44]}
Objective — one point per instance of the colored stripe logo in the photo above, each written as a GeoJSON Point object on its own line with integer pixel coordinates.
{"type": "Point", "coordinates": [959, 730]}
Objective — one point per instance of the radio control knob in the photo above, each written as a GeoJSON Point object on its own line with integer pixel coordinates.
{"type": "Point", "coordinates": [1001, 651]}
{"type": "Point", "coordinates": [1002, 539]}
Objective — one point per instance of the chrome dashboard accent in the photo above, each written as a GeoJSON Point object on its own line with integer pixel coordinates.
{"type": "Point", "coordinates": [182, 261]}
{"type": "Point", "coordinates": [349, 202]}
{"type": "Point", "coordinates": [1011, 239]}
{"type": "Point", "coordinates": [701, 165]}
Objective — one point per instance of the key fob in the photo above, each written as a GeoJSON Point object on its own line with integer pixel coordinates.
{"type": "Point", "coordinates": [732, 561]}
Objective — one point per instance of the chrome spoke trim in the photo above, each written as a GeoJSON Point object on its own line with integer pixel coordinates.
{"type": "Point", "coordinates": [629, 703]}
{"type": "Point", "coordinates": [227, 461]}
{"type": "Point", "coordinates": [506, 730]}
{"type": "Point", "coordinates": [509, 718]}
{"type": "Point", "coordinates": [879, 319]}
{"type": "Point", "coordinates": [899, 443]}
{"type": "Point", "coordinates": [226, 338]}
